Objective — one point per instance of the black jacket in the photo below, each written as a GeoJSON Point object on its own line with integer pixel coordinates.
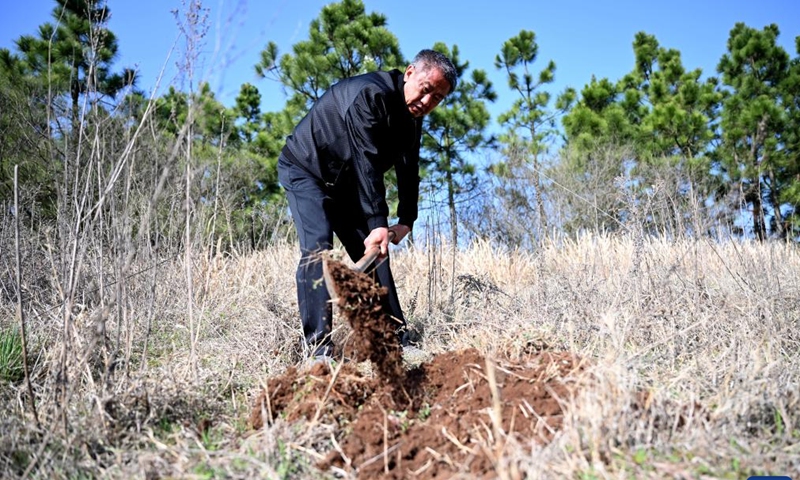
{"type": "Point", "coordinates": [356, 132]}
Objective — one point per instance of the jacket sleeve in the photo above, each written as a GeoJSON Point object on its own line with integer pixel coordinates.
{"type": "Point", "coordinates": [365, 121]}
{"type": "Point", "coordinates": [408, 182]}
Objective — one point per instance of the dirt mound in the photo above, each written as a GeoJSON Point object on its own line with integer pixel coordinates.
{"type": "Point", "coordinates": [450, 415]}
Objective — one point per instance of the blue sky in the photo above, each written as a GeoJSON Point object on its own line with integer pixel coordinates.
{"type": "Point", "coordinates": [584, 38]}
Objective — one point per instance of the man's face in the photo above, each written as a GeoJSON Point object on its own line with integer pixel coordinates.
{"type": "Point", "coordinates": [424, 89]}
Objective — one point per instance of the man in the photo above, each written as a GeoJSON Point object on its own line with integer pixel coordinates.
{"type": "Point", "coordinates": [332, 168]}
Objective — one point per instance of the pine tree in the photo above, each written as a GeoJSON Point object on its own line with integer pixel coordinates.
{"type": "Point", "coordinates": [23, 129]}
{"type": "Point", "coordinates": [454, 131]}
{"type": "Point", "coordinates": [789, 196]}
{"type": "Point", "coordinates": [758, 151]}
{"type": "Point", "coordinates": [76, 53]}
{"type": "Point", "coordinates": [675, 110]}
{"type": "Point", "coordinates": [344, 41]}
{"type": "Point", "coordinates": [529, 124]}
{"type": "Point", "coordinates": [662, 119]}
{"type": "Point", "coordinates": [44, 82]}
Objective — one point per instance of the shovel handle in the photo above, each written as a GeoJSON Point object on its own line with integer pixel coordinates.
{"type": "Point", "coordinates": [370, 255]}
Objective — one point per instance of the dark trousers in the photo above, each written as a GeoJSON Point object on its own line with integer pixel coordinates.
{"type": "Point", "coordinates": [318, 212]}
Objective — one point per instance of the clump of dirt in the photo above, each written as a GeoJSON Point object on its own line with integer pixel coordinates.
{"type": "Point", "coordinates": [441, 418]}
{"type": "Point", "coordinates": [374, 337]}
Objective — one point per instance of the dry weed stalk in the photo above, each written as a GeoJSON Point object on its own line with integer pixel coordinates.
{"type": "Point", "coordinates": [20, 310]}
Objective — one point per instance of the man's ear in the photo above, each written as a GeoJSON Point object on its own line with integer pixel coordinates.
{"type": "Point", "coordinates": [409, 70]}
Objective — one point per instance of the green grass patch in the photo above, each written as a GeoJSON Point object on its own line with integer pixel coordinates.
{"type": "Point", "coordinates": [11, 359]}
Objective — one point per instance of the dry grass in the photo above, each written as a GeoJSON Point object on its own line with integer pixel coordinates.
{"type": "Point", "coordinates": [705, 335]}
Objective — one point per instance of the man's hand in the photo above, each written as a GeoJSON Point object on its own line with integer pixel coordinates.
{"type": "Point", "coordinates": [380, 238]}
{"type": "Point", "coordinates": [400, 232]}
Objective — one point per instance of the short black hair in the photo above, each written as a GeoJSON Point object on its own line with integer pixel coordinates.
{"type": "Point", "coordinates": [430, 58]}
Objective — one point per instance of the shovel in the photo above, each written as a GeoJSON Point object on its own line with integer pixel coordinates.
{"type": "Point", "coordinates": [369, 256]}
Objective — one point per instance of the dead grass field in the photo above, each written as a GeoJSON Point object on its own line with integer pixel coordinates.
{"type": "Point", "coordinates": [692, 353]}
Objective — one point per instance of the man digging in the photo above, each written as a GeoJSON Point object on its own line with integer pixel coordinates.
{"type": "Point", "coordinates": [332, 168]}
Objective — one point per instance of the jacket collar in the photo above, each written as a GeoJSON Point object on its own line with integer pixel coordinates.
{"type": "Point", "coordinates": [399, 83]}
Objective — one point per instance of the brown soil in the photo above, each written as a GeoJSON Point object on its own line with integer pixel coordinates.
{"type": "Point", "coordinates": [432, 421]}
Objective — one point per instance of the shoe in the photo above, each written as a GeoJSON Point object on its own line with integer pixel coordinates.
{"type": "Point", "coordinates": [414, 355]}
{"type": "Point", "coordinates": [324, 351]}
{"type": "Point", "coordinates": [326, 360]}
{"type": "Point", "coordinates": [409, 337]}
{"type": "Point", "coordinates": [405, 338]}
